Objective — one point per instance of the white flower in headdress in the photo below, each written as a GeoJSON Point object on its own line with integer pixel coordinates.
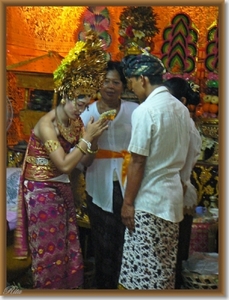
{"type": "Point", "coordinates": [146, 50]}
{"type": "Point", "coordinates": [122, 32]}
{"type": "Point", "coordinates": [138, 34]}
{"type": "Point", "coordinates": [194, 87]}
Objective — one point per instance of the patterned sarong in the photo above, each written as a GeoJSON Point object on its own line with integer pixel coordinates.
{"type": "Point", "coordinates": [53, 235]}
{"type": "Point", "coordinates": [149, 254]}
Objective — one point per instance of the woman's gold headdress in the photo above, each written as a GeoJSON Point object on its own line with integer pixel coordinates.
{"type": "Point", "coordinates": [83, 70]}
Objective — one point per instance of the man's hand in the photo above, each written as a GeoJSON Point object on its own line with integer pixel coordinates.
{"type": "Point", "coordinates": [134, 178]}
{"type": "Point", "coordinates": [127, 214]}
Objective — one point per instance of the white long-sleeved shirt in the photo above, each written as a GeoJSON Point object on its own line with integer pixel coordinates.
{"type": "Point", "coordinates": [99, 176]}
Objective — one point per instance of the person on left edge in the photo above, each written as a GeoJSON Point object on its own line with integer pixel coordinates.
{"type": "Point", "coordinates": [47, 229]}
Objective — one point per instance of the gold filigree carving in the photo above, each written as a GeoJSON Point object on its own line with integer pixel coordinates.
{"type": "Point", "coordinates": [202, 176]}
{"type": "Point", "coordinates": [50, 21]}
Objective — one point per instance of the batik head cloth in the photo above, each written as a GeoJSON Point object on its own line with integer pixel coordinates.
{"type": "Point", "coordinates": [143, 64]}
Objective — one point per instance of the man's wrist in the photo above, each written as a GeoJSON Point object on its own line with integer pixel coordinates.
{"type": "Point", "coordinates": [128, 202]}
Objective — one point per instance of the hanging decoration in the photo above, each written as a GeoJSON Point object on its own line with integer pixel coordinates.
{"type": "Point", "coordinates": [179, 49]}
{"type": "Point", "coordinates": [137, 28]}
{"type": "Point", "coordinates": [210, 98]}
{"type": "Point", "coordinates": [212, 48]}
{"type": "Point", "coordinates": [96, 18]}
{"type": "Point", "coordinates": [56, 28]}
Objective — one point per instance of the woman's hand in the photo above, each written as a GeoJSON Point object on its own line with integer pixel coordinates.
{"type": "Point", "coordinates": [95, 129]}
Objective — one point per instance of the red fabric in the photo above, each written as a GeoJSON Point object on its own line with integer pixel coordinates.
{"type": "Point", "coordinates": [35, 148]}
{"type": "Point", "coordinates": [199, 237]}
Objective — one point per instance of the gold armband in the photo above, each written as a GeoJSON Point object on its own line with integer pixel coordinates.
{"type": "Point", "coordinates": [51, 145]}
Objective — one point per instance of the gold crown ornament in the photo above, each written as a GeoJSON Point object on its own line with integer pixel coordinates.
{"type": "Point", "coordinates": [135, 49]}
{"type": "Point", "coordinates": [83, 70]}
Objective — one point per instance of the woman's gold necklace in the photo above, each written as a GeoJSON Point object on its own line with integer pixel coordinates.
{"type": "Point", "coordinates": [70, 133]}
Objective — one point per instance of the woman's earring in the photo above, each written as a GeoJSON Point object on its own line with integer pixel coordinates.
{"type": "Point", "coordinates": [63, 102]}
{"type": "Point", "coordinates": [98, 96]}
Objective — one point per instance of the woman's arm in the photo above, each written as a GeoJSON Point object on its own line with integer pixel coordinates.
{"type": "Point", "coordinates": [66, 162]}
{"type": "Point", "coordinates": [88, 159]}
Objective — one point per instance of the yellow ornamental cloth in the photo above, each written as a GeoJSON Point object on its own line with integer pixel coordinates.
{"type": "Point", "coordinates": [102, 153]}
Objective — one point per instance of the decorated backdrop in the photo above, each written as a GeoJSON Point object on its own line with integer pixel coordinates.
{"type": "Point", "coordinates": [185, 37]}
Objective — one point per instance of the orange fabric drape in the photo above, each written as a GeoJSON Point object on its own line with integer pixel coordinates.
{"type": "Point", "coordinates": [102, 153]}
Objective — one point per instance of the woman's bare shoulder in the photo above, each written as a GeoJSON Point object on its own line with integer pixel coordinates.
{"type": "Point", "coordinates": [45, 123]}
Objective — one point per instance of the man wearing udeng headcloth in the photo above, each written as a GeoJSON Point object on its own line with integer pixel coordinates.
{"type": "Point", "coordinates": [46, 226]}
{"type": "Point", "coordinates": [153, 199]}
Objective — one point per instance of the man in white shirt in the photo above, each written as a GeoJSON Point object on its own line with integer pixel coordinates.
{"type": "Point", "coordinates": [153, 199]}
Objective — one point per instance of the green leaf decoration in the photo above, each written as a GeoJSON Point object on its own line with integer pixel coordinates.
{"type": "Point", "coordinates": [177, 60]}
{"type": "Point", "coordinates": [193, 50]}
{"type": "Point", "coordinates": [194, 35]}
{"type": "Point", "coordinates": [212, 33]}
{"type": "Point", "coordinates": [179, 49]}
{"type": "Point", "coordinates": [190, 65]}
{"type": "Point", "coordinates": [179, 38]}
{"type": "Point", "coordinates": [165, 47]}
{"type": "Point", "coordinates": [180, 17]}
{"type": "Point", "coordinates": [167, 31]}
{"type": "Point", "coordinates": [212, 48]}
{"type": "Point", "coordinates": [165, 61]}
{"type": "Point", "coordinates": [209, 63]}
{"type": "Point", "coordinates": [180, 27]}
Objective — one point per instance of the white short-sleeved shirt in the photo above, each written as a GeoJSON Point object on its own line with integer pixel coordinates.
{"type": "Point", "coordinates": [160, 131]}
{"type": "Point", "coordinates": [190, 197]}
{"type": "Point", "coordinates": [99, 176]}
